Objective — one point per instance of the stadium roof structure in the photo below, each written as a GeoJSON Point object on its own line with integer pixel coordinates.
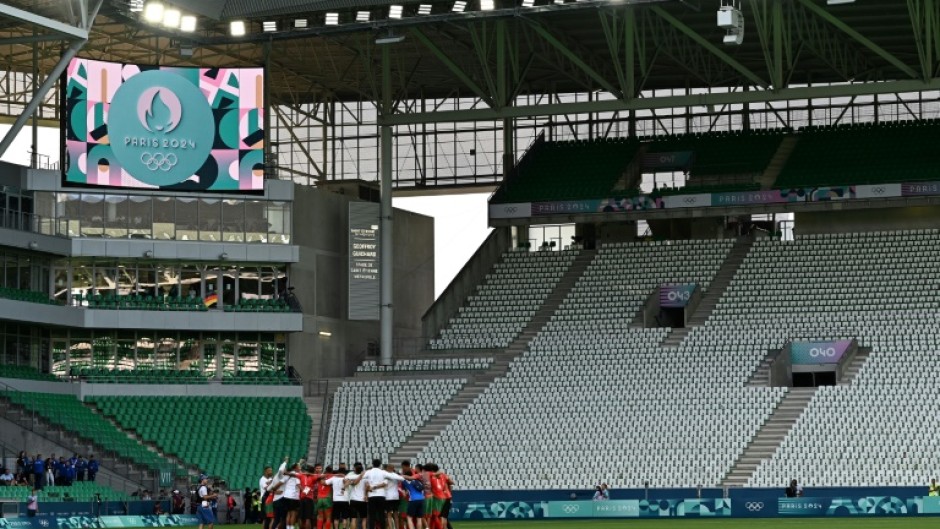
{"type": "Point", "coordinates": [496, 50]}
{"type": "Point", "coordinates": [421, 68]}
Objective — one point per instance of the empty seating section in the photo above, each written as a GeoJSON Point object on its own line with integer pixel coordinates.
{"type": "Point", "coordinates": [426, 364]}
{"type": "Point", "coordinates": [32, 296]}
{"type": "Point", "coordinates": [259, 305]}
{"type": "Point", "coordinates": [725, 152]}
{"type": "Point", "coordinates": [878, 288]}
{"type": "Point", "coordinates": [866, 153]}
{"type": "Point", "coordinates": [372, 418]}
{"type": "Point", "coordinates": [265, 377]}
{"type": "Point", "coordinates": [104, 375]}
{"type": "Point", "coordinates": [27, 372]}
{"type": "Point", "coordinates": [506, 300]}
{"type": "Point", "coordinates": [568, 170]}
{"type": "Point", "coordinates": [68, 412]}
{"type": "Point", "coordinates": [78, 491]}
{"type": "Point", "coordinates": [112, 301]}
{"type": "Point", "coordinates": [232, 437]}
{"type": "Point", "coordinates": [594, 387]}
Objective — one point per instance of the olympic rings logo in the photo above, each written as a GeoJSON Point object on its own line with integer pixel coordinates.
{"type": "Point", "coordinates": [510, 209]}
{"type": "Point", "coordinates": [571, 508]}
{"type": "Point", "coordinates": [754, 506]}
{"type": "Point", "coordinates": [163, 162]}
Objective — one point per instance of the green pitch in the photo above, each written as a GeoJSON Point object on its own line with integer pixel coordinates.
{"type": "Point", "coordinates": [796, 523]}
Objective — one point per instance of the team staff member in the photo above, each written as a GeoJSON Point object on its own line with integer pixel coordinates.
{"type": "Point", "coordinates": [377, 480]}
{"type": "Point", "coordinates": [204, 511]}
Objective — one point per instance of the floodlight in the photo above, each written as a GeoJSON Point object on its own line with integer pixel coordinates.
{"type": "Point", "coordinates": [331, 19]}
{"type": "Point", "coordinates": [390, 39]}
{"type": "Point", "coordinates": [528, 3]}
{"type": "Point", "coordinates": [171, 18]}
{"type": "Point", "coordinates": [269, 26]}
{"type": "Point", "coordinates": [135, 6]}
{"type": "Point", "coordinates": [487, 5]}
{"type": "Point", "coordinates": [153, 12]}
{"type": "Point", "coordinates": [459, 6]}
{"type": "Point", "coordinates": [362, 16]}
{"type": "Point", "coordinates": [424, 9]}
{"type": "Point", "coordinates": [188, 23]}
{"type": "Point", "coordinates": [300, 23]}
{"type": "Point", "coordinates": [839, 2]}
{"type": "Point", "coordinates": [237, 28]}
{"type": "Point", "coordinates": [394, 11]}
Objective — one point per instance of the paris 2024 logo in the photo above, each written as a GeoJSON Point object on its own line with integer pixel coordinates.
{"type": "Point", "coordinates": [161, 126]}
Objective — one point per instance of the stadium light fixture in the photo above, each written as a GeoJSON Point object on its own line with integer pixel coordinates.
{"type": "Point", "coordinates": [136, 6]}
{"type": "Point", "coordinates": [559, 2]}
{"type": "Point", "coordinates": [237, 28]}
{"type": "Point", "coordinates": [424, 9]}
{"type": "Point", "coordinates": [731, 19]}
{"type": "Point", "coordinates": [269, 26]}
{"type": "Point", "coordinates": [171, 18]}
{"type": "Point", "coordinates": [188, 23]}
{"type": "Point", "coordinates": [331, 19]}
{"type": "Point", "coordinates": [839, 2]}
{"type": "Point", "coordinates": [487, 5]}
{"type": "Point", "coordinates": [153, 12]}
{"type": "Point", "coordinates": [300, 23]}
{"type": "Point", "coordinates": [362, 16]}
{"type": "Point", "coordinates": [391, 38]}
{"type": "Point", "coordinates": [528, 3]}
{"type": "Point", "coordinates": [459, 6]}
{"type": "Point", "coordinates": [395, 11]}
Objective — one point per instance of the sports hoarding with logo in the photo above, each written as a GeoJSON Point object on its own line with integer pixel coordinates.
{"type": "Point", "coordinates": [154, 127]}
{"type": "Point", "coordinates": [675, 295]}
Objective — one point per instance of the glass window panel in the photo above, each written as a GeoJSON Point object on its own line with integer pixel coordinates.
{"type": "Point", "coordinates": [228, 356]}
{"type": "Point", "coordinates": [169, 281]}
{"type": "Point", "coordinates": [103, 350]}
{"type": "Point", "coordinates": [140, 221]}
{"type": "Point", "coordinates": [210, 219]}
{"type": "Point", "coordinates": [256, 223]}
{"type": "Point", "coordinates": [209, 348]}
{"type": "Point", "coordinates": [187, 227]}
{"type": "Point", "coordinates": [124, 353]}
{"type": "Point", "coordinates": [126, 280]}
{"type": "Point", "coordinates": [92, 215]}
{"type": "Point", "coordinates": [59, 357]}
{"type": "Point", "coordinates": [278, 215]}
{"type": "Point", "coordinates": [12, 270]}
{"type": "Point", "coordinates": [164, 218]}
{"type": "Point", "coordinates": [116, 218]}
{"type": "Point", "coordinates": [146, 279]}
{"type": "Point", "coordinates": [248, 284]}
{"type": "Point", "coordinates": [233, 220]}
{"type": "Point", "coordinates": [228, 286]}
{"type": "Point", "coordinates": [248, 352]}
{"type": "Point", "coordinates": [190, 352]}
{"type": "Point", "coordinates": [192, 282]}
{"type": "Point", "coordinates": [145, 350]}
{"type": "Point", "coordinates": [165, 355]}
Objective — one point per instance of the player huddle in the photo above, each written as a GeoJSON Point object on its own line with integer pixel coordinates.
{"type": "Point", "coordinates": [416, 497]}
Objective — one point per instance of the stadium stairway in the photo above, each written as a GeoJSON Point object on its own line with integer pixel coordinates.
{"type": "Point", "coordinates": [711, 297]}
{"type": "Point", "coordinates": [855, 365]}
{"type": "Point", "coordinates": [770, 174]}
{"type": "Point", "coordinates": [179, 482]}
{"type": "Point", "coordinates": [765, 442]}
{"type": "Point", "coordinates": [314, 404]}
{"type": "Point", "coordinates": [137, 474]}
{"type": "Point", "coordinates": [761, 376]}
{"type": "Point", "coordinates": [541, 317]}
{"type": "Point", "coordinates": [478, 383]}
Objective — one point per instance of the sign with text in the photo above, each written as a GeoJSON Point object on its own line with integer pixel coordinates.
{"type": "Point", "coordinates": [817, 353]}
{"type": "Point", "coordinates": [667, 161]}
{"type": "Point", "coordinates": [162, 127]}
{"type": "Point", "coordinates": [673, 296]}
{"type": "Point", "coordinates": [364, 279]}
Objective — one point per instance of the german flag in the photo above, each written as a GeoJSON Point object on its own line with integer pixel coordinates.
{"type": "Point", "coordinates": [211, 300]}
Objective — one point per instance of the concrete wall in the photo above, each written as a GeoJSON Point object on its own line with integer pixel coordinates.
{"type": "Point", "coordinates": [863, 220]}
{"type": "Point", "coordinates": [320, 278]}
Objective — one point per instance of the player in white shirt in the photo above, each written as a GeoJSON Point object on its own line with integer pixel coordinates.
{"type": "Point", "coordinates": [266, 478]}
{"type": "Point", "coordinates": [356, 488]}
{"type": "Point", "coordinates": [204, 511]}
{"type": "Point", "coordinates": [377, 480]}
{"type": "Point", "coordinates": [340, 499]}
{"type": "Point", "coordinates": [395, 506]}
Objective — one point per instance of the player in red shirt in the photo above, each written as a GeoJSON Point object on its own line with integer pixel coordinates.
{"type": "Point", "coordinates": [324, 500]}
{"type": "Point", "coordinates": [438, 485]}
{"type": "Point", "coordinates": [448, 485]}
{"type": "Point", "coordinates": [308, 483]}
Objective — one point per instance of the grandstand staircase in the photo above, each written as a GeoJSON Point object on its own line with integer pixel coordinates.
{"type": "Point", "coordinates": [477, 383]}
{"type": "Point", "coordinates": [772, 433]}
{"type": "Point", "coordinates": [770, 174]}
{"type": "Point", "coordinates": [151, 446]}
{"type": "Point", "coordinates": [716, 289]}
{"type": "Point", "coordinates": [35, 423]}
{"type": "Point", "coordinates": [314, 404]}
{"type": "Point", "coordinates": [855, 365]}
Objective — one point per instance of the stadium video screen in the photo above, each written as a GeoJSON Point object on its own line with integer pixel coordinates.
{"type": "Point", "coordinates": [150, 127]}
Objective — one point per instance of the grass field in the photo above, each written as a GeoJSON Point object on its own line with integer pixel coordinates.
{"type": "Point", "coordinates": [801, 523]}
